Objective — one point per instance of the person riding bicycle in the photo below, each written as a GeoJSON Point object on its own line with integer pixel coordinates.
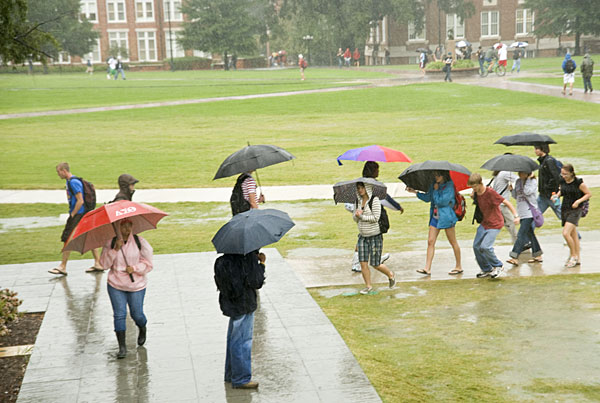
{"type": "Point", "coordinates": [489, 56]}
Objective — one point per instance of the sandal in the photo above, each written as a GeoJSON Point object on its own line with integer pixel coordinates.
{"type": "Point", "coordinates": [535, 260]}
{"type": "Point", "coordinates": [571, 263]}
{"type": "Point", "coordinates": [455, 272]}
{"type": "Point", "coordinates": [58, 271]}
{"type": "Point", "coordinates": [513, 262]}
{"type": "Point", "coordinates": [94, 269]}
{"type": "Point", "coordinates": [422, 271]}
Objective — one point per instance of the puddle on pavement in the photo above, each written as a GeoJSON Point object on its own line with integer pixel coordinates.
{"type": "Point", "coordinates": [317, 252]}
{"type": "Point", "coordinates": [557, 127]}
{"type": "Point", "coordinates": [19, 223]}
{"type": "Point", "coordinates": [334, 292]}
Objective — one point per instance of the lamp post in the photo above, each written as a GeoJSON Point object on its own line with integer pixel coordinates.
{"type": "Point", "coordinates": [308, 38]}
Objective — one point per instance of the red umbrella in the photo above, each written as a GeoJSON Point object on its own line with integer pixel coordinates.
{"type": "Point", "coordinates": [95, 228]}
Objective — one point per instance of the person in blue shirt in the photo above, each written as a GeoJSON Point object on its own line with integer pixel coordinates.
{"type": "Point", "coordinates": [76, 212]}
{"type": "Point", "coordinates": [568, 67]}
{"type": "Point", "coordinates": [441, 216]}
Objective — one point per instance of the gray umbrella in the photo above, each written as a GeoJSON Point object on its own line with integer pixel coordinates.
{"type": "Point", "coordinates": [251, 158]}
{"type": "Point", "coordinates": [251, 230]}
{"type": "Point", "coordinates": [525, 139]}
{"type": "Point", "coordinates": [510, 162]}
{"type": "Point", "coordinates": [345, 192]}
{"type": "Point", "coordinates": [422, 175]}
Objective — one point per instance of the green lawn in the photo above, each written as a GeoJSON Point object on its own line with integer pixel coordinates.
{"type": "Point", "coordinates": [558, 81]}
{"type": "Point", "coordinates": [22, 93]}
{"type": "Point", "coordinates": [183, 146]}
{"type": "Point", "coordinates": [548, 64]}
{"type": "Point", "coordinates": [526, 339]}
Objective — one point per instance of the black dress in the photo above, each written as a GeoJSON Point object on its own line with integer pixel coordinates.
{"type": "Point", "coordinates": [570, 193]}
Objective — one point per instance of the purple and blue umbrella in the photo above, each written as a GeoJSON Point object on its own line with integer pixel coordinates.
{"type": "Point", "coordinates": [374, 153]}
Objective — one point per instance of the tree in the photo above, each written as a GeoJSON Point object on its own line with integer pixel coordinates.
{"type": "Point", "coordinates": [226, 26]}
{"type": "Point", "coordinates": [462, 8]}
{"type": "Point", "coordinates": [565, 17]}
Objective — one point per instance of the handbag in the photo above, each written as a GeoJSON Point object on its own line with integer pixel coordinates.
{"type": "Point", "coordinates": [538, 217]}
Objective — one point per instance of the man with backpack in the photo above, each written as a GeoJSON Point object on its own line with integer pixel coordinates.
{"type": "Point", "coordinates": [244, 196]}
{"type": "Point", "coordinates": [303, 65]}
{"type": "Point", "coordinates": [587, 71]}
{"type": "Point", "coordinates": [81, 200]}
{"type": "Point", "coordinates": [549, 179]}
{"type": "Point", "coordinates": [516, 61]}
{"type": "Point", "coordinates": [568, 66]}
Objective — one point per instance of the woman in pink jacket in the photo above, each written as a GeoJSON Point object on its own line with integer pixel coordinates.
{"type": "Point", "coordinates": [127, 281]}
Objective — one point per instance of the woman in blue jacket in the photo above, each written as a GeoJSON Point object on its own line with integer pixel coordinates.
{"type": "Point", "coordinates": [441, 216]}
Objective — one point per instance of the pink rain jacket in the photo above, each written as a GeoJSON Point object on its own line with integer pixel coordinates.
{"type": "Point", "coordinates": [140, 260]}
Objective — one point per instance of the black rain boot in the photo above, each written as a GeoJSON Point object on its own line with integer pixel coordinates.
{"type": "Point", "coordinates": [122, 345]}
{"type": "Point", "coordinates": [142, 335]}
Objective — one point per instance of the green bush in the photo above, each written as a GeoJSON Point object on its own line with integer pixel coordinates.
{"type": "Point", "coordinates": [459, 64]}
{"type": "Point", "coordinates": [38, 69]}
{"type": "Point", "coordinates": [191, 63]}
{"type": "Point", "coordinates": [253, 62]}
{"type": "Point", "coordinates": [8, 309]}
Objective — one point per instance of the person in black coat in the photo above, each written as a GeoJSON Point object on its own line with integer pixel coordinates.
{"type": "Point", "coordinates": [238, 277]}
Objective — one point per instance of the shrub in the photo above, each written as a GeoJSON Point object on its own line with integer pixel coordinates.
{"type": "Point", "coordinates": [191, 63]}
{"type": "Point", "coordinates": [52, 68]}
{"type": "Point", "coordinates": [8, 309]}
{"type": "Point", "coordinates": [459, 64]}
{"type": "Point", "coordinates": [253, 62]}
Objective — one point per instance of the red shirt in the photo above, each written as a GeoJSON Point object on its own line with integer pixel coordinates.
{"type": "Point", "coordinates": [489, 203]}
{"type": "Point", "coordinates": [356, 54]}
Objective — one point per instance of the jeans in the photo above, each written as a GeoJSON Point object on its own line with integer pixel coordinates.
{"type": "Point", "coordinates": [481, 61]}
{"type": "Point", "coordinates": [483, 246]}
{"type": "Point", "coordinates": [122, 73]}
{"type": "Point", "coordinates": [238, 357]}
{"type": "Point", "coordinates": [448, 71]}
{"type": "Point", "coordinates": [517, 65]}
{"type": "Point", "coordinates": [119, 301]}
{"type": "Point", "coordinates": [526, 234]}
{"type": "Point", "coordinates": [587, 83]}
{"type": "Point", "coordinates": [509, 223]}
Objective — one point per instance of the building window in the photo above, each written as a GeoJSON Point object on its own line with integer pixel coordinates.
{"type": "Point", "coordinates": [143, 10]}
{"type": "Point", "coordinates": [490, 2]}
{"type": "Point", "coordinates": [173, 10]}
{"type": "Point", "coordinates": [94, 55]}
{"type": "Point", "coordinates": [115, 10]}
{"type": "Point", "coordinates": [118, 44]}
{"type": "Point", "coordinates": [489, 23]}
{"type": "Point", "coordinates": [89, 10]}
{"type": "Point", "coordinates": [146, 46]}
{"type": "Point", "coordinates": [457, 26]}
{"type": "Point", "coordinates": [178, 50]}
{"type": "Point", "coordinates": [524, 22]}
{"type": "Point", "coordinates": [63, 58]}
{"type": "Point", "coordinates": [413, 35]}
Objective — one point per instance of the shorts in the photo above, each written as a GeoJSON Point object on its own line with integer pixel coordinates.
{"type": "Point", "coordinates": [571, 216]}
{"type": "Point", "coordinates": [70, 226]}
{"type": "Point", "coordinates": [370, 248]}
{"type": "Point", "coordinates": [502, 63]}
{"type": "Point", "coordinates": [569, 78]}
{"type": "Point", "coordinates": [488, 59]}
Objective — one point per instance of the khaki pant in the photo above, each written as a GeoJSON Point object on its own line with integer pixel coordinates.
{"type": "Point", "coordinates": [509, 222]}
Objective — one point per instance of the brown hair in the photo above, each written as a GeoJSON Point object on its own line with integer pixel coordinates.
{"type": "Point", "coordinates": [569, 168]}
{"type": "Point", "coordinates": [544, 147]}
{"type": "Point", "coordinates": [370, 170]}
{"type": "Point", "coordinates": [475, 179]}
{"type": "Point", "coordinates": [63, 166]}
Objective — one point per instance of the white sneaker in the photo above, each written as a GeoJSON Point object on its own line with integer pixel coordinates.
{"type": "Point", "coordinates": [356, 268]}
{"type": "Point", "coordinates": [385, 257]}
{"type": "Point", "coordinates": [366, 291]}
{"type": "Point", "coordinates": [497, 271]}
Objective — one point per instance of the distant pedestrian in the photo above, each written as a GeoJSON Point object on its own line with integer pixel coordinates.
{"type": "Point", "coordinates": [568, 66]}
{"type": "Point", "coordinates": [489, 58]}
{"type": "Point", "coordinates": [237, 278]}
{"type": "Point", "coordinates": [340, 57]}
{"type": "Point", "coordinates": [441, 217]}
{"type": "Point", "coordinates": [489, 203]}
{"type": "Point", "coordinates": [356, 57]}
{"type": "Point", "coordinates": [370, 239]}
{"type": "Point", "coordinates": [502, 55]}
{"type": "Point", "coordinates": [303, 65]}
{"type": "Point", "coordinates": [574, 193]}
{"type": "Point", "coordinates": [347, 57]}
{"type": "Point", "coordinates": [448, 63]}
{"type": "Point", "coordinates": [387, 56]}
{"type": "Point", "coordinates": [75, 197]}
{"type": "Point", "coordinates": [516, 61]}
{"type": "Point", "coordinates": [89, 67]}
{"type": "Point", "coordinates": [525, 192]}
{"type": "Point", "coordinates": [437, 55]}
{"type": "Point", "coordinates": [468, 52]}
{"type": "Point", "coordinates": [423, 61]}
{"type": "Point", "coordinates": [244, 195]}
{"type": "Point", "coordinates": [587, 71]}
{"type": "Point", "coordinates": [119, 69]}
{"type": "Point", "coordinates": [111, 64]}
{"type": "Point", "coordinates": [234, 60]}
{"type": "Point", "coordinates": [503, 184]}
{"type": "Point", "coordinates": [480, 58]}
{"type": "Point", "coordinates": [133, 262]}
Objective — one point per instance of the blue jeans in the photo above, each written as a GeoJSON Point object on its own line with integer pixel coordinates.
{"type": "Point", "coordinates": [122, 72]}
{"type": "Point", "coordinates": [481, 65]}
{"type": "Point", "coordinates": [120, 299]}
{"type": "Point", "coordinates": [525, 235]}
{"type": "Point", "coordinates": [238, 357]}
{"type": "Point", "coordinates": [483, 246]}
{"type": "Point", "coordinates": [545, 202]}
{"type": "Point", "coordinates": [516, 65]}
{"type": "Point", "coordinates": [587, 83]}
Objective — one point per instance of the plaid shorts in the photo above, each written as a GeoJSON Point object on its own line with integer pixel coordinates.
{"type": "Point", "coordinates": [369, 249]}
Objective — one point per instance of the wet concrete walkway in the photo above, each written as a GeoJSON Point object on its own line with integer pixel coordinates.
{"type": "Point", "coordinates": [298, 355]}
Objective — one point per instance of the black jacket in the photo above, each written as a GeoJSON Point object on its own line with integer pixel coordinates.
{"type": "Point", "coordinates": [124, 193]}
{"type": "Point", "coordinates": [237, 278]}
{"type": "Point", "coordinates": [549, 176]}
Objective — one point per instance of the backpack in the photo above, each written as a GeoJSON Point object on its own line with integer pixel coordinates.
{"type": "Point", "coordinates": [384, 221]}
{"type": "Point", "coordinates": [304, 64]}
{"type": "Point", "coordinates": [460, 207]}
{"type": "Point", "coordinates": [585, 208]}
{"type": "Point", "coordinates": [570, 66]}
{"type": "Point", "coordinates": [237, 201]}
{"type": "Point", "coordinates": [425, 58]}
{"type": "Point", "coordinates": [558, 163]}
{"type": "Point", "coordinates": [478, 214]}
{"type": "Point", "coordinates": [135, 238]}
{"type": "Point", "coordinates": [89, 193]}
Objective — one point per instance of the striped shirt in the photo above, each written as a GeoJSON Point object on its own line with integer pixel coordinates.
{"type": "Point", "coordinates": [368, 223]}
{"type": "Point", "coordinates": [249, 186]}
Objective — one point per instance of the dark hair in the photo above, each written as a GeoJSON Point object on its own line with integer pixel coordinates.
{"type": "Point", "coordinates": [569, 168]}
{"type": "Point", "coordinates": [545, 148]}
{"type": "Point", "coordinates": [370, 170]}
{"type": "Point", "coordinates": [360, 184]}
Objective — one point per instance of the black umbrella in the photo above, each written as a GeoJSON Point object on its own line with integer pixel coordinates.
{"type": "Point", "coordinates": [510, 162]}
{"type": "Point", "coordinates": [251, 230]}
{"type": "Point", "coordinates": [525, 139]}
{"type": "Point", "coordinates": [421, 176]}
{"type": "Point", "coordinates": [251, 158]}
{"type": "Point", "coordinates": [345, 192]}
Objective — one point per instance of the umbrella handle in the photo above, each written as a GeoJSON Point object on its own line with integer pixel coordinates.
{"type": "Point", "coordinates": [124, 258]}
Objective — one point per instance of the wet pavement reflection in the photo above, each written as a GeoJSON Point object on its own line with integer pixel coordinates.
{"type": "Point", "coordinates": [298, 355]}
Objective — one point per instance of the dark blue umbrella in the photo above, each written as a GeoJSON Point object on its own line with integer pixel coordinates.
{"type": "Point", "coordinates": [510, 162]}
{"type": "Point", "coordinates": [251, 230]}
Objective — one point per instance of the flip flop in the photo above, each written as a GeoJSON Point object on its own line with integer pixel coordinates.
{"type": "Point", "coordinates": [57, 271]}
{"type": "Point", "coordinates": [422, 271]}
{"type": "Point", "coordinates": [454, 272]}
{"type": "Point", "coordinates": [93, 269]}
{"type": "Point", "coordinates": [535, 260]}
{"type": "Point", "coordinates": [513, 262]}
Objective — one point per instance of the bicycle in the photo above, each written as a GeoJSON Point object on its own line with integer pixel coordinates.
{"type": "Point", "coordinates": [499, 70]}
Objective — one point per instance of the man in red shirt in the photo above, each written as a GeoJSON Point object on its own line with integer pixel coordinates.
{"type": "Point", "coordinates": [488, 202]}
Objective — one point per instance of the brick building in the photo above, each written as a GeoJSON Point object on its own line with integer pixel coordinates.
{"type": "Point", "coordinates": [493, 21]}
